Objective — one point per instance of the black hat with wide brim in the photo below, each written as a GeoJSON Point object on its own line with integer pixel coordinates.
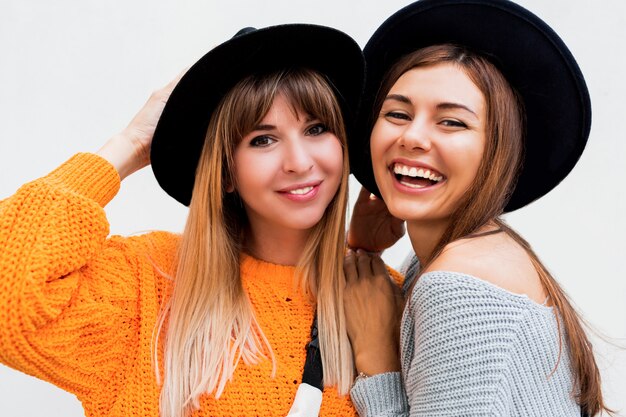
{"type": "Point", "coordinates": [525, 49]}
{"type": "Point", "coordinates": [181, 130]}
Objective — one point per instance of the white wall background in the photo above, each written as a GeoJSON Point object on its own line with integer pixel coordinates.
{"type": "Point", "coordinates": [72, 73]}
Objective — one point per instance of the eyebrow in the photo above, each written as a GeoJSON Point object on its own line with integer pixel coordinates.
{"type": "Point", "coordinates": [272, 127]}
{"type": "Point", "coordinates": [444, 106]}
{"type": "Point", "coordinates": [441, 106]}
{"type": "Point", "coordinates": [264, 127]}
{"type": "Point", "coordinates": [399, 97]}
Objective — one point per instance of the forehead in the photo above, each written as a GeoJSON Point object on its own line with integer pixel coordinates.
{"type": "Point", "coordinates": [283, 107]}
{"type": "Point", "coordinates": [439, 83]}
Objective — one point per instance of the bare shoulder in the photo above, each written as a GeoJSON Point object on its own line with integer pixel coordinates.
{"type": "Point", "coordinates": [497, 259]}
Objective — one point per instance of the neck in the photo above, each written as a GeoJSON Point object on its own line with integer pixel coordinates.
{"type": "Point", "coordinates": [425, 236]}
{"type": "Point", "coordinates": [282, 247]}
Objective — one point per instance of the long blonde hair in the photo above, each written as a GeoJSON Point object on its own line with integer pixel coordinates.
{"type": "Point", "coordinates": [489, 193]}
{"type": "Point", "coordinates": [208, 325]}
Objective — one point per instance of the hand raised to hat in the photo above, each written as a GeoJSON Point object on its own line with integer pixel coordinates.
{"type": "Point", "coordinates": [372, 227]}
{"type": "Point", "coordinates": [373, 307]}
{"type": "Point", "coordinates": [129, 150]}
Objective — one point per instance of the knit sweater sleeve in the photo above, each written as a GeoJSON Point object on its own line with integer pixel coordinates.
{"type": "Point", "coordinates": [68, 296]}
{"type": "Point", "coordinates": [380, 395]}
{"type": "Point", "coordinates": [457, 342]}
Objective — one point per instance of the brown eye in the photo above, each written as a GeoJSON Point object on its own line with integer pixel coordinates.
{"type": "Point", "coordinates": [317, 129]}
{"type": "Point", "coordinates": [397, 115]}
{"type": "Point", "coordinates": [261, 141]}
{"type": "Point", "coordinates": [453, 123]}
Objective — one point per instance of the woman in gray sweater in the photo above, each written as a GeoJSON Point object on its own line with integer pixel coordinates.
{"type": "Point", "coordinates": [479, 109]}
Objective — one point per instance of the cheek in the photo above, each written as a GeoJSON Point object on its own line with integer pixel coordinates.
{"type": "Point", "coordinates": [469, 157]}
{"type": "Point", "coordinates": [330, 157]}
{"type": "Point", "coordinates": [251, 171]}
{"type": "Point", "coordinates": [380, 142]}
{"type": "Point", "coordinates": [376, 141]}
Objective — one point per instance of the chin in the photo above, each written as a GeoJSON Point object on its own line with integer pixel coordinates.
{"type": "Point", "coordinates": [408, 210]}
{"type": "Point", "coordinates": [303, 223]}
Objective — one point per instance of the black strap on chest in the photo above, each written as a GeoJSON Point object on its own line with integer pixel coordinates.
{"type": "Point", "coordinates": [313, 373]}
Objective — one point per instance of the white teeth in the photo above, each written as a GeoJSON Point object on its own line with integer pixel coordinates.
{"type": "Point", "coordinates": [300, 191]}
{"type": "Point", "coordinates": [415, 172]}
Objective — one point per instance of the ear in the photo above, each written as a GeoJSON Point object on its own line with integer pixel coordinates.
{"type": "Point", "coordinates": [230, 187]}
{"type": "Point", "coordinates": [229, 180]}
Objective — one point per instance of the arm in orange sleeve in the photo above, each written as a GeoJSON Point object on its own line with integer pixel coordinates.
{"type": "Point", "coordinates": [68, 295]}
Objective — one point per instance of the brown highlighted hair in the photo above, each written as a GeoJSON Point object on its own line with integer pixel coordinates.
{"type": "Point", "coordinates": [208, 325]}
{"type": "Point", "coordinates": [488, 195]}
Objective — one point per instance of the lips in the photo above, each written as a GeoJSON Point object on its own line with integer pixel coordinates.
{"type": "Point", "coordinates": [301, 192]}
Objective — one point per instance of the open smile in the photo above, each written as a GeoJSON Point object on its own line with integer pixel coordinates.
{"type": "Point", "coordinates": [415, 177]}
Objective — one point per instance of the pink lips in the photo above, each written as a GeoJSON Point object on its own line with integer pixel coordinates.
{"type": "Point", "coordinates": [304, 197]}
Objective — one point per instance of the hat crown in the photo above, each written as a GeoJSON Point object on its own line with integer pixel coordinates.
{"type": "Point", "coordinates": [245, 31]}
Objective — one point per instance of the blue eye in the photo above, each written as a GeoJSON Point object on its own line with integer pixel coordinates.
{"type": "Point", "coordinates": [317, 129]}
{"type": "Point", "coordinates": [261, 141]}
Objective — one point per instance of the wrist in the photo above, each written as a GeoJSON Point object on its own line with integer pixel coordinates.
{"type": "Point", "coordinates": [119, 151]}
{"type": "Point", "coordinates": [360, 377]}
{"type": "Point", "coordinates": [353, 244]}
{"type": "Point", "coordinates": [377, 363]}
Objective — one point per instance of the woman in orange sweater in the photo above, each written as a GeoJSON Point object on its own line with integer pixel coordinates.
{"type": "Point", "coordinates": [213, 322]}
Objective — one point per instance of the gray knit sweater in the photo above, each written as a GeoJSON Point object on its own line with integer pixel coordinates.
{"type": "Point", "coordinates": [470, 348]}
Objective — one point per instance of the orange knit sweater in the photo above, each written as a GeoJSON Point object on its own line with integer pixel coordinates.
{"type": "Point", "coordinates": [78, 309]}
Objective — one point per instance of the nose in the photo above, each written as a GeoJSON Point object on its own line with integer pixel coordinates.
{"type": "Point", "coordinates": [416, 136]}
{"type": "Point", "coordinates": [298, 157]}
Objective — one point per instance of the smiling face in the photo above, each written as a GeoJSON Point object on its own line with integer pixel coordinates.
{"type": "Point", "coordinates": [428, 141]}
{"type": "Point", "coordinates": [287, 169]}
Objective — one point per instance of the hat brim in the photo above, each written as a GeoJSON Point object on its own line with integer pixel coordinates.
{"type": "Point", "coordinates": [530, 55]}
{"type": "Point", "coordinates": [181, 130]}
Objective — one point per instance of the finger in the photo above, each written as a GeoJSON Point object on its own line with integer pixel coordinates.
{"type": "Point", "coordinates": [378, 266]}
{"type": "Point", "coordinates": [364, 196]}
{"type": "Point", "coordinates": [398, 227]}
{"type": "Point", "coordinates": [349, 267]}
{"type": "Point", "coordinates": [169, 87]}
{"type": "Point", "coordinates": [363, 264]}
{"type": "Point", "coordinates": [172, 84]}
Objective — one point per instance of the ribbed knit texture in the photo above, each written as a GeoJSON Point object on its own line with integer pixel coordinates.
{"type": "Point", "coordinates": [79, 310]}
{"type": "Point", "coordinates": [470, 348]}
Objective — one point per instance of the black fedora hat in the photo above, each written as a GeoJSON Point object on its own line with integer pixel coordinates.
{"type": "Point", "coordinates": [181, 130]}
{"type": "Point", "coordinates": [525, 49]}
